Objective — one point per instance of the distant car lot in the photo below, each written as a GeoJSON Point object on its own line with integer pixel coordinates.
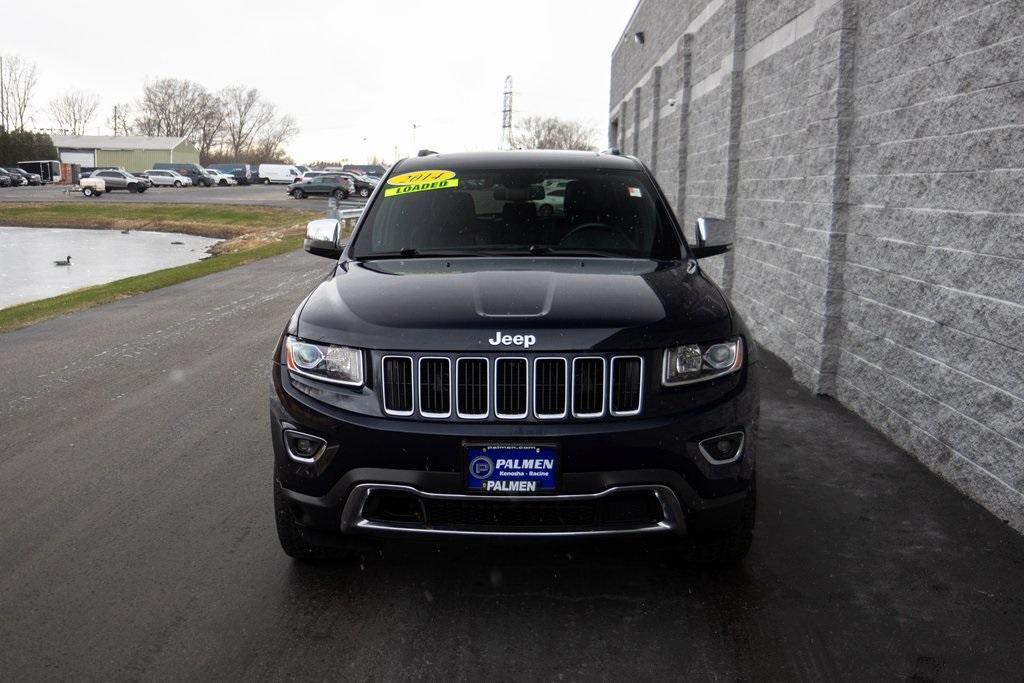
{"type": "Point", "coordinates": [256, 195]}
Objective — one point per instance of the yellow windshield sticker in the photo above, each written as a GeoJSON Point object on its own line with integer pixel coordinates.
{"type": "Point", "coordinates": [420, 177]}
{"type": "Point", "coordinates": [421, 187]}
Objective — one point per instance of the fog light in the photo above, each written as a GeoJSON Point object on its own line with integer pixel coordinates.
{"type": "Point", "coordinates": [304, 448]}
{"type": "Point", "coordinates": [722, 449]}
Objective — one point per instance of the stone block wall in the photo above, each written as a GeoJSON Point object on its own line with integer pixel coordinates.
{"type": "Point", "coordinates": [871, 156]}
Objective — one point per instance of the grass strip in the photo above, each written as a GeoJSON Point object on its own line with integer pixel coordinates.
{"type": "Point", "coordinates": [222, 221]}
{"type": "Point", "coordinates": [31, 312]}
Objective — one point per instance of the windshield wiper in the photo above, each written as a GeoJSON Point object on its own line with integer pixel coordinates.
{"type": "Point", "coordinates": [411, 252]}
{"type": "Point", "coordinates": [540, 250]}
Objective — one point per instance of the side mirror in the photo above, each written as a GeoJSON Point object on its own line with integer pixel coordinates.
{"type": "Point", "coordinates": [322, 237]}
{"type": "Point", "coordinates": [713, 236]}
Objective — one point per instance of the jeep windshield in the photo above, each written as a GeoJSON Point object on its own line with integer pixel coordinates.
{"type": "Point", "coordinates": [543, 212]}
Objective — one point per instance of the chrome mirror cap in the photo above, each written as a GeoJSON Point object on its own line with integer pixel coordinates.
{"type": "Point", "coordinates": [712, 236]}
{"type": "Point", "coordinates": [322, 237]}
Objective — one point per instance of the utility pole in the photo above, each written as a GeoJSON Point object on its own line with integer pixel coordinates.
{"type": "Point", "coordinates": [3, 96]}
{"type": "Point", "coordinates": [506, 115]}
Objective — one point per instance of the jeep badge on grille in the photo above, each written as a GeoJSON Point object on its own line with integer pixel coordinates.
{"type": "Point", "coordinates": [524, 340]}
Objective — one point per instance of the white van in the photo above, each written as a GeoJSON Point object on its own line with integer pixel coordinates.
{"type": "Point", "coordinates": [279, 173]}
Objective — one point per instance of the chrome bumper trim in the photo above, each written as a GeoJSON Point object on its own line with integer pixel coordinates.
{"type": "Point", "coordinates": [352, 519]}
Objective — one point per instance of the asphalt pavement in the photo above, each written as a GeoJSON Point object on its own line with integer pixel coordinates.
{"type": "Point", "coordinates": [137, 538]}
{"type": "Point", "coordinates": [247, 195]}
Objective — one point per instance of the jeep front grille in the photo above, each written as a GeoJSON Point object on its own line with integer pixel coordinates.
{"type": "Point", "coordinates": [512, 388]}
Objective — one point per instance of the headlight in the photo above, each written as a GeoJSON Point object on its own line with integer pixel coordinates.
{"type": "Point", "coordinates": [701, 362]}
{"type": "Point", "coordinates": [335, 364]}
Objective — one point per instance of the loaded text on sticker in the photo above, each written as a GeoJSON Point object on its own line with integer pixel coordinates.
{"type": "Point", "coordinates": [418, 177]}
{"type": "Point", "coordinates": [435, 185]}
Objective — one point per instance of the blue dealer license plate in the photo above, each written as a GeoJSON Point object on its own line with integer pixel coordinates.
{"type": "Point", "coordinates": [520, 469]}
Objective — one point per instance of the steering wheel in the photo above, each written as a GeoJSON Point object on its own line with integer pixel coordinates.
{"type": "Point", "coordinates": [597, 236]}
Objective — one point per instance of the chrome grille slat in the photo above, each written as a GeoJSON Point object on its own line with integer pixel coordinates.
{"type": "Point", "coordinates": [472, 382]}
{"type": "Point", "coordinates": [588, 386]}
{"type": "Point", "coordinates": [626, 385]}
{"type": "Point", "coordinates": [550, 385]}
{"type": "Point", "coordinates": [435, 387]}
{"type": "Point", "coordinates": [511, 388]}
{"type": "Point", "coordinates": [396, 383]}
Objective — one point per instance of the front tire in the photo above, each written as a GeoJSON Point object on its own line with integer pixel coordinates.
{"type": "Point", "coordinates": [88, 192]}
{"type": "Point", "coordinates": [364, 192]}
{"type": "Point", "coordinates": [728, 547]}
{"type": "Point", "coordinates": [133, 188]}
{"type": "Point", "coordinates": [177, 183]}
{"type": "Point", "coordinates": [293, 541]}
{"type": "Point", "coordinates": [266, 181]}
{"type": "Point", "coordinates": [223, 183]}
{"type": "Point", "coordinates": [298, 193]}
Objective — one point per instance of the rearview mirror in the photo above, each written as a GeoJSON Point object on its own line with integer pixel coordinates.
{"type": "Point", "coordinates": [323, 237]}
{"type": "Point", "coordinates": [712, 236]}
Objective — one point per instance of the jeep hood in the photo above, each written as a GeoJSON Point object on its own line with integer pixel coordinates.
{"type": "Point", "coordinates": [566, 304]}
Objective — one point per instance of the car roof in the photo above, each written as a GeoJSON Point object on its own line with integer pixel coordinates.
{"type": "Point", "coordinates": [516, 160]}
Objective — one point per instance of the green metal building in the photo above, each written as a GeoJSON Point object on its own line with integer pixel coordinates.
{"type": "Point", "coordinates": [131, 152]}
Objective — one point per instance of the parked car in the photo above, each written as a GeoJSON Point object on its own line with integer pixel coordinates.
{"type": "Point", "coordinates": [466, 371]}
{"type": "Point", "coordinates": [167, 178]}
{"type": "Point", "coordinates": [16, 179]}
{"type": "Point", "coordinates": [554, 199]}
{"type": "Point", "coordinates": [279, 173]}
{"type": "Point", "coordinates": [221, 178]}
{"type": "Point", "coordinates": [121, 180]}
{"type": "Point", "coordinates": [48, 170]}
{"type": "Point", "coordinates": [363, 187]}
{"type": "Point", "coordinates": [5, 179]}
{"type": "Point", "coordinates": [241, 172]}
{"type": "Point", "coordinates": [331, 185]}
{"type": "Point", "coordinates": [30, 178]}
{"type": "Point", "coordinates": [193, 171]}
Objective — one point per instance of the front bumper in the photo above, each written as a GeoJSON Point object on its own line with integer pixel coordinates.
{"type": "Point", "coordinates": [635, 477]}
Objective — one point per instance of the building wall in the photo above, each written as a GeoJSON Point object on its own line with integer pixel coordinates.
{"type": "Point", "coordinates": [870, 154]}
{"type": "Point", "coordinates": [143, 159]}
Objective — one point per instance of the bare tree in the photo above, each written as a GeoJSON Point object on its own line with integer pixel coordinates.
{"type": "Point", "coordinates": [174, 107]}
{"type": "Point", "coordinates": [549, 132]}
{"type": "Point", "coordinates": [73, 110]}
{"type": "Point", "coordinates": [209, 133]}
{"type": "Point", "coordinates": [270, 144]}
{"type": "Point", "coordinates": [19, 83]}
{"type": "Point", "coordinates": [247, 116]}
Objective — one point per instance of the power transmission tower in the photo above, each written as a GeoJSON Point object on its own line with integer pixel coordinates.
{"type": "Point", "coordinates": [506, 115]}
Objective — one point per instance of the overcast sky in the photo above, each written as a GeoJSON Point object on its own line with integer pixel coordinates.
{"type": "Point", "coordinates": [347, 71]}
